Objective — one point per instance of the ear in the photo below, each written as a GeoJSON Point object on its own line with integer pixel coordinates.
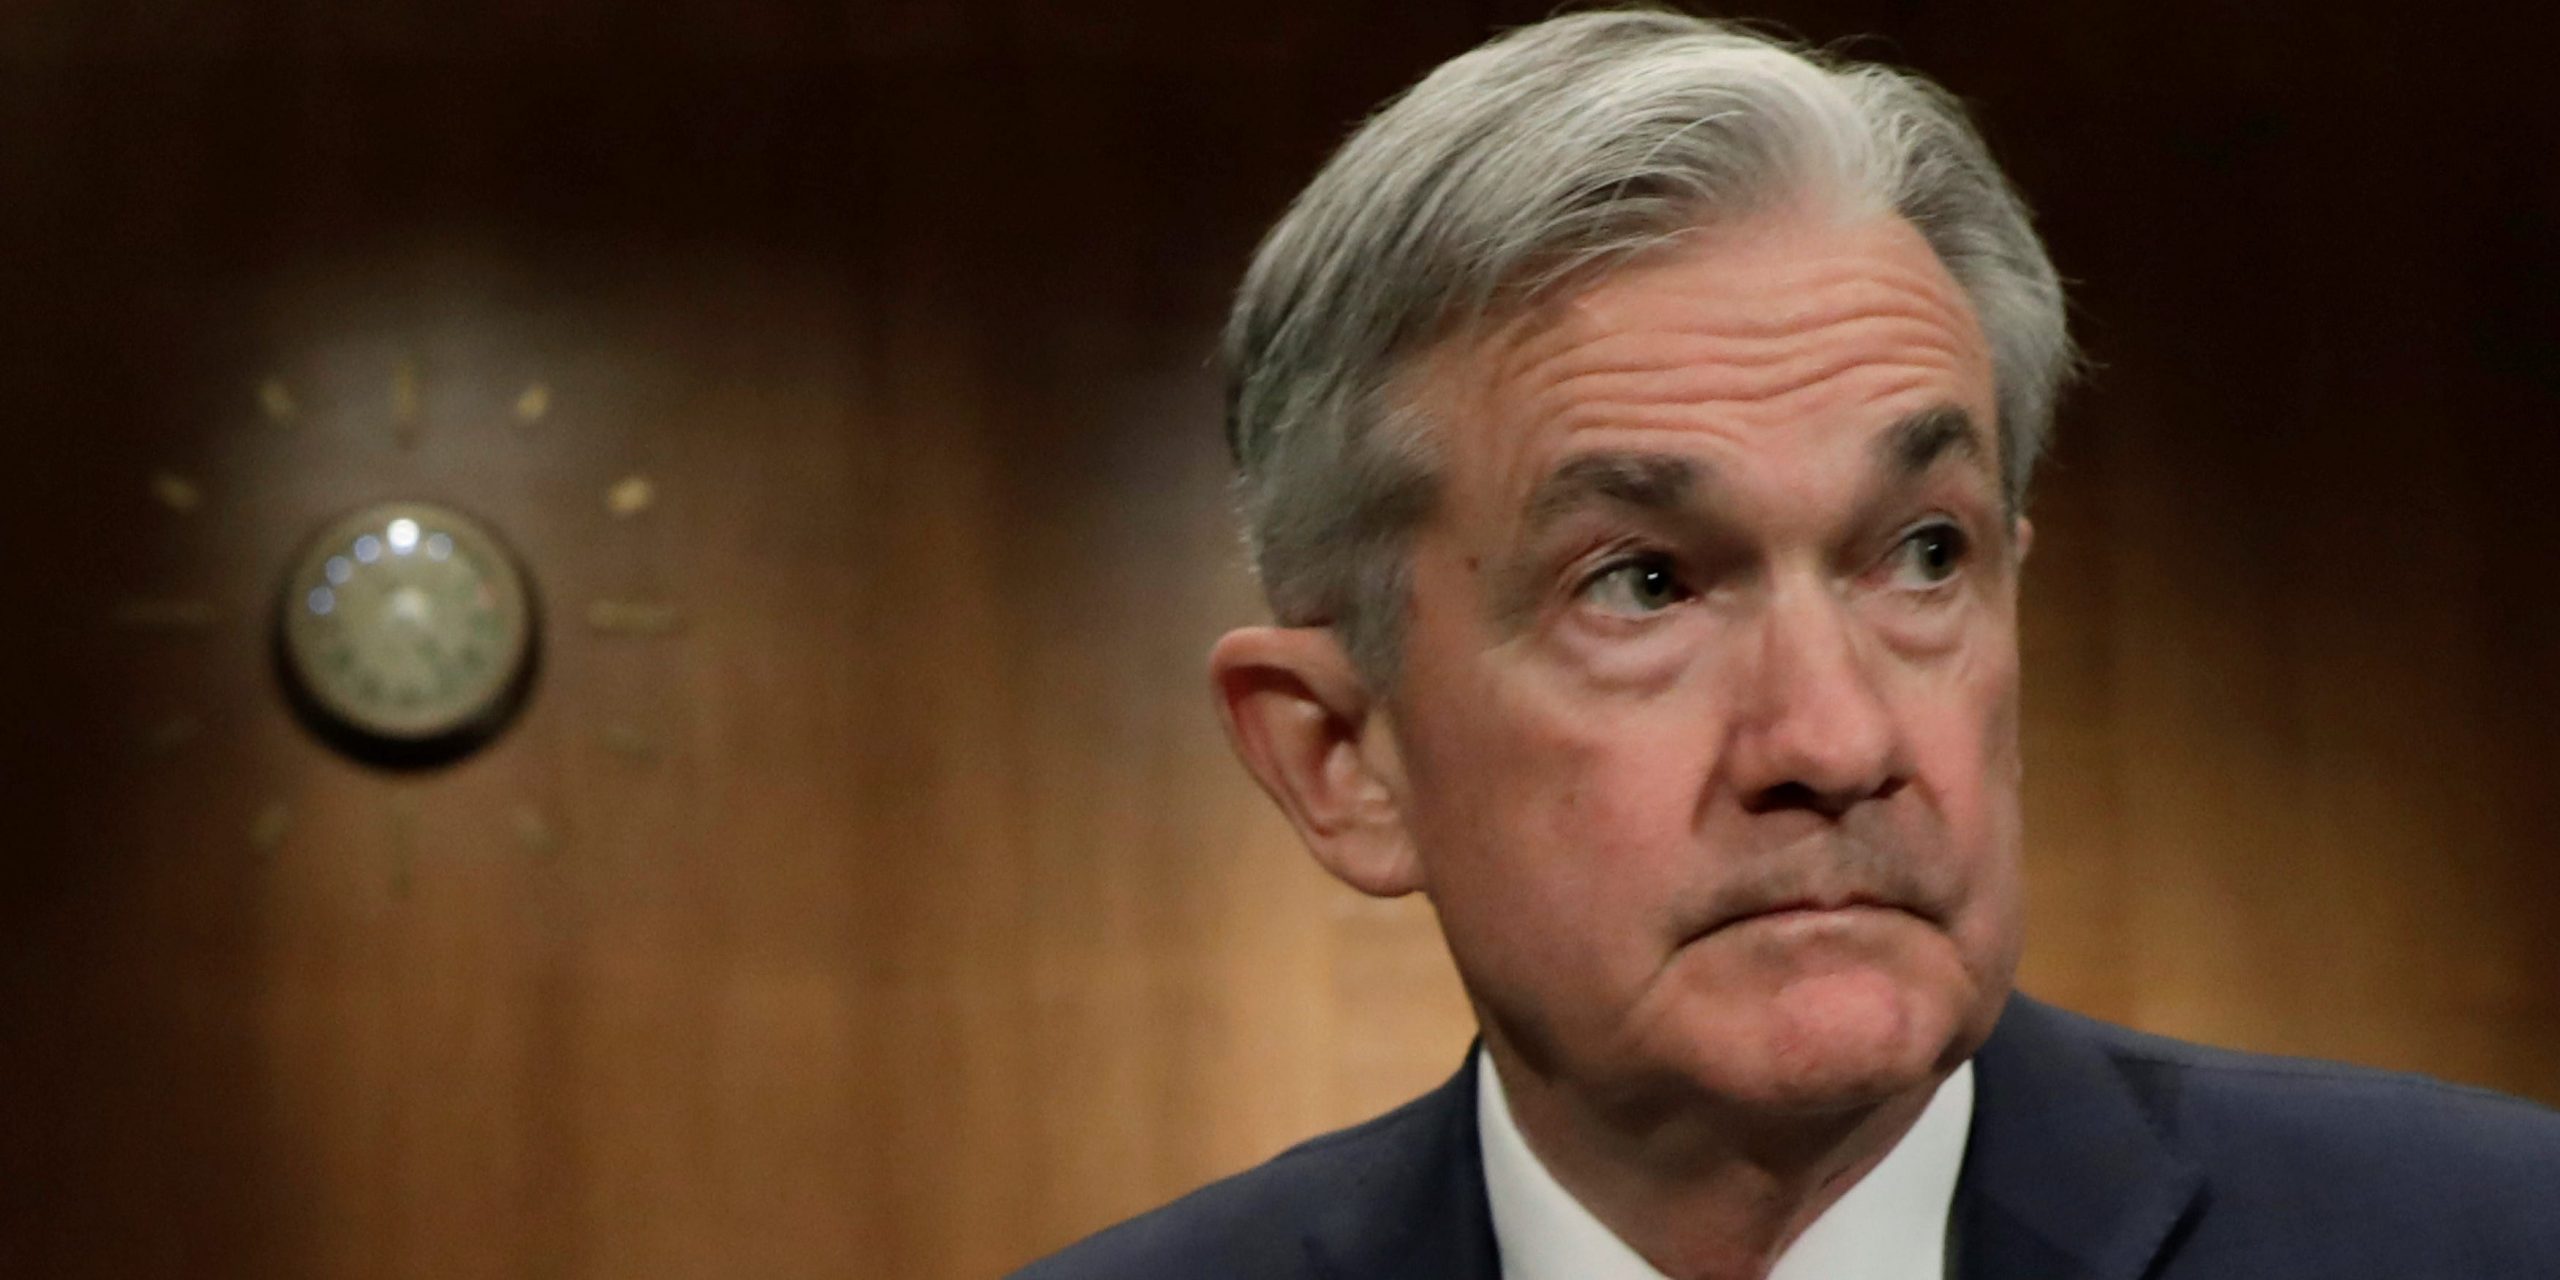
{"type": "Point", "coordinates": [1305, 724]}
{"type": "Point", "coordinates": [2023, 537]}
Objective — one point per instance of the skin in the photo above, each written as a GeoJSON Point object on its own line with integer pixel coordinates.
{"type": "Point", "coordinates": [1705, 747]}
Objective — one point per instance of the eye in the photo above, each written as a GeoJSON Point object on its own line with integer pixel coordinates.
{"type": "Point", "coordinates": [1636, 585]}
{"type": "Point", "coordinates": [1928, 556]}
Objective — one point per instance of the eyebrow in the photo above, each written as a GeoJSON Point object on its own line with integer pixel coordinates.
{"type": "Point", "coordinates": [1644, 481]}
{"type": "Point", "coordinates": [1662, 482]}
{"type": "Point", "coordinates": [1922, 440]}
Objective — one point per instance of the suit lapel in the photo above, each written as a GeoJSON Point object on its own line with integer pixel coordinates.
{"type": "Point", "coordinates": [2065, 1176]}
{"type": "Point", "coordinates": [1416, 1209]}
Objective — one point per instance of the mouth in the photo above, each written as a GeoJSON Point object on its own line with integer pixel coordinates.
{"type": "Point", "coordinates": [1805, 909]}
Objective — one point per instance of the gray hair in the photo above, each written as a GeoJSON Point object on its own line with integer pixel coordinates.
{"type": "Point", "coordinates": [1533, 164]}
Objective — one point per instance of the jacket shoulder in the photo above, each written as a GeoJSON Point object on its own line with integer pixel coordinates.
{"type": "Point", "coordinates": [1252, 1225]}
{"type": "Point", "coordinates": [2206, 1094]}
{"type": "Point", "coordinates": [2380, 1161]}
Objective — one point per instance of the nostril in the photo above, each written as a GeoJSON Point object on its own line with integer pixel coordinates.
{"type": "Point", "coordinates": [1805, 797]}
{"type": "Point", "coordinates": [1785, 796]}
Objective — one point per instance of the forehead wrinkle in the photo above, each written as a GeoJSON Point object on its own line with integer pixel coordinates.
{"type": "Point", "coordinates": [1813, 295]}
{"type": "Point", "coordinates": [1807, 394]}
{"type": "Point", "coordinates": [1678, 359]}
{"type": "Point", "coordinates": [1618, 325]}
{"type": "Point", "coordinates": [1682, 343]}
{"type": "Point", "coordinates": [1689, 389]}
{"type": "Point", "coordinates": [1701, 363]}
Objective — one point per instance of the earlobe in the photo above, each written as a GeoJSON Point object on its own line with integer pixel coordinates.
{"type": "Point", "coordinates": [1309, 730]}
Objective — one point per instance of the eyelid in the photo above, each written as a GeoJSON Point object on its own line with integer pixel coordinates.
{"type": "Point", "coordinates": [1968, 545]}
{"type": "Point", "coordinates": [1583, 566]}
{"type": "Point", "coordinates": [1618, 557]}
{"type": "Point", "coordinates": [1600, 564]}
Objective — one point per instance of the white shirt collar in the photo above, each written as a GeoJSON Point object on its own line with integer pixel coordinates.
{"type": "Point", "coordinates": [1892, 1225]}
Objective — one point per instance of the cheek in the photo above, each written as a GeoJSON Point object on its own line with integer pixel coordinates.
{"type": "Point", "coordinates": [1963, 723]}
{"type": "Point", "coordinates": [1552, 843]}
{"type": "Point", "coordinates": [1965, 748]}
{"type": "Point", "coordinates": [1518, 765]}
{"type": "Point", "coordinates": [1574, 804]}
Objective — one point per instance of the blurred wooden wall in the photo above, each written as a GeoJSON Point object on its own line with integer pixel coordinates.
{"type": "Point", "coordinates": [900, 913]}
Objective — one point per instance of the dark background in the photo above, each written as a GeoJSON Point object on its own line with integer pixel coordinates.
{"type": "Point", "coordinates": [899, 913]}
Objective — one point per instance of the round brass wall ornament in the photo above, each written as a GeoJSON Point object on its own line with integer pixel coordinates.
{"type": "Point", "coordinates": [405, 634]}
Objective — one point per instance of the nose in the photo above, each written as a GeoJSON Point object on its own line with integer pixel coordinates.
{"type": "Point", "coordinates": [1815, 731]}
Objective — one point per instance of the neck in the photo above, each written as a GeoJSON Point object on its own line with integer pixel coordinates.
{"type": "Point", "coordinates": [1700, 1191]}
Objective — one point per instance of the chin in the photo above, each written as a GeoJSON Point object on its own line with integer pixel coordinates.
{"type": "Point", "coordinates": [1843, 1040]}
{"type": "Point", "coordinates": [1820, 1038]}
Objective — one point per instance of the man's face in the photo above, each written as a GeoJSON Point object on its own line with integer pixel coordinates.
{"type": "Point", "coordinates": [1708, 714]}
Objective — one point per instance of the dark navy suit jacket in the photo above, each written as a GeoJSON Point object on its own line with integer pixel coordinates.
{"type": "Point", "coordinates": [2097, 1153]}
